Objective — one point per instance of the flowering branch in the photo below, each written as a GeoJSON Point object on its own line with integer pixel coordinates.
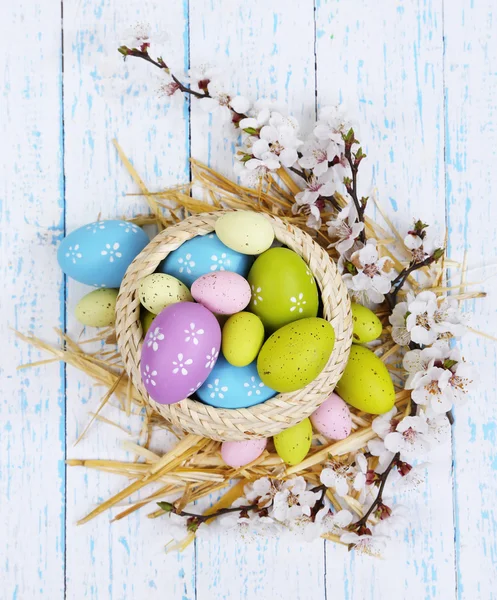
{"type": "Point", "coordinates": [195, 520]}
{"type": "Point", "coordinates": [354, 160]}
{"type": "Point", "coordinates": [401, 278]}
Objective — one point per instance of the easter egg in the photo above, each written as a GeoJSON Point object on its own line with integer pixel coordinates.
{"type": "Point", "coordinates": [98, 254]}
{"type": "Point", "coordinates": [98, 308]}
{"type": "Point", "coordinates": [296, 354]}
{"type": "Point", "coordinates": [239, 454]}
{"type": "Point", "coordinates": [245, 231]}
{"type": "Point", "coordinates": [204, 254]}
{"type": "Point", "coordinates": [222, 292]}
{"type": "Point", "coordinates": [234, 387]}
{"type": "Point", "coordinates": [332, 419]}
{"type": "Point", "coordinates": [283, 289]}
{"type": "Point", "coordinates": [158, 290]}
{"type": "Point", "coordinates": [293, 444]}
{"type": "Point", "coordinates": [146, 318]}
{"type": "Point", "coordinates": [179, 351]}
{"type": "Point", "coordinates": [366, 325]}
{"type": "Point", "coordinates": [243, 336]}
{"type": "Point", "coordinates": [366, 384]}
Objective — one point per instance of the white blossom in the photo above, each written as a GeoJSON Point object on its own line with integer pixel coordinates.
{"type": "Point", "coordinates": [141, 33]}
{"type": "Point", "coordinates": [397, 319]}
{"type": "Point", "coordinates": [373, 545]}
{"type": "Point", "coordinates": [345, 228]}
{"type": "Point", "coordinates": [277, 144]}
{"type": "Point", "coordinates": [374, 274]}
{"type": "Point", "coordinates": [293, 500]}
{"type": "Point", "coordinates": [376, 447]}
{"type": "Point", "coordinates": [330, 127]}
{"type": "Point", "coordinates": [315, 156]}
{"type": "Point", "coordinates": [336, 479]}
{"type": "Point", "coordinates": [410, 437]}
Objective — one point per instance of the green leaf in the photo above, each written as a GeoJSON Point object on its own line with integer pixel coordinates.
{"type": "Point", "coordinates": [166, 506]}
{"type": "Point", "coordinates": [448, 364]}
{"type": "Point", "coordinates": [251, 131]}
{"type": "Point", "coordinates": [351, 268]}
{"type": "Point", "coordinates": [124, 50]}
{"type": "Point", "coordinates": [437, 255]}
{"type": "Point", "coordinates": [419, 225]}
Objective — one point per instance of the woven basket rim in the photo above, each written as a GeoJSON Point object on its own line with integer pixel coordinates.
{"type": "Point", "coordinates": [277, 413]}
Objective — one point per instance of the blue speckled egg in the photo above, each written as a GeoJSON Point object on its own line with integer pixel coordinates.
{"type": "Point", "coordinates": [98, 254]}
{"type": "Point", "coordinates": [234, 387]}
{"type": "Point", "coordinates": [204, 254]}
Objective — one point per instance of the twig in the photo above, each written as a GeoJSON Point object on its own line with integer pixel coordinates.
{"type": "Point", "coordinates": [401, 278]}
{"type": "Point", "coordinates": [195, 519]}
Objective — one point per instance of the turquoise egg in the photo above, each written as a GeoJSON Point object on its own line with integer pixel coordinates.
{"type": "Point", "coordinates": [234, 387]}
{"type": "Point", "coordinates": [98, 254]}
{"type": "Point", "coordinates": [204, 254]}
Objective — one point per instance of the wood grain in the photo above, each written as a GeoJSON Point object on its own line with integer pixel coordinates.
{"type": "Point", "coordinates": [420, 79]}
{"type": "Point", "coordinates": [32, 432]}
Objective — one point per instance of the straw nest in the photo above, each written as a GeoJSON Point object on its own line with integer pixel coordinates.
{"type": "Point", "coordinates": [276, 414]}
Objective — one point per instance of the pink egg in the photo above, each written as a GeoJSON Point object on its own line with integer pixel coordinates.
{"type": "Point", "coordinates": [238, 454]}
{"type": "Point", "coordinates": [332, 419]}
{"type": "Point", "coordinates": [222, 292]}
{"type": "Point", "coordinates": [179, 351]}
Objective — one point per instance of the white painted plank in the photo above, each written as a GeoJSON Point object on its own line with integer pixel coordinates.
{"type": "Point", "coordinates": [385, 66]}
{"type": "Point", "coordinates": [471, 142]}
{"type": "Point", "coordinates": [124, 559]}
{"type": "Point", "coordinates": [266, 51]}
{"type": "Point", "coordinates": [32, 476]}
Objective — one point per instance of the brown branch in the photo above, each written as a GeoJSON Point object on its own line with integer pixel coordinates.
{"type": "Point", "coordinates": [352, 189]}
{"type": "Point", "coordinates": [401, 278]}
{"type": "Point", "coordinates": [167, 507]}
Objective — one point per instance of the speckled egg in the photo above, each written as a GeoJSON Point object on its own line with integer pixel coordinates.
{"type": "Point", "coordinates": [243, 336]}
{"type": "Point", "coordinates": [245, 231]}
{"type": "Point", "coordinates": [222, 292]}
{"type": "Point", "coordinates": [98, 254]}
{"type": "Point", "coordinates": [366, 325]}
{"type": "Point", "coordinates": [332, 419]}
{"type": "Point", "coordinates": [293, 444]}
{"type": "Point", "coordinates": [283, 289]}
{"type": "Point", "coordinates": [98, 308]}
{"type": "Point", "coordinates": [234, 387]}
{"type": "Point", "coordinates": [239, 454]}
{"type": "Point", "coordinates": [146, 317]}
{"type": "Point", "coordinates": [158, 290]}
{"type": "Point", "coordinates": [296, 354]}
{"type": "Point", "coordinates": [365, 384]}
{"type": "Point", "coordinates": [179, 351]}
{"type": "Point", "coordinates": [201, 255]}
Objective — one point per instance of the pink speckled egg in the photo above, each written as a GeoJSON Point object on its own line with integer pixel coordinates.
{"type": "Point", "coordinates": [238, 454]}
{"type": "Point", "coordinates": [332, 419]}
{"type": "Point", "coordinates": [179, 351]}
{"type": "Point", "coordinates": [222, 292]}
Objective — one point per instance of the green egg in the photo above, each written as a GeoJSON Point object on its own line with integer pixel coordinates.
{"type": "Point", "coordinates": [146, 318]}
{"type": "Point", "coordinates": [98, 308]}
{"type": "Point", "coordinates": [292, 445]}
{"type": "Point", "coordinates": [158, 290]}
{"type": "Point", "coordinates": [366, 325]}
{"type": "Point", "coordinates": [296, 354]}
{"type": "Point", "coordinates": [366, 383]}
{"type": "Point", "coordinates": [243, 336]}
{"type": "Point", "coordinates": [283, 289]}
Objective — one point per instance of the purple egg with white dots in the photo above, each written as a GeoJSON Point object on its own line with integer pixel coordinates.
{"type": "Point", "coordinates": [179, 351]}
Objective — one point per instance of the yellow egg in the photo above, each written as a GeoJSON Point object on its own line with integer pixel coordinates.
{"type": "Point", "coordinates": [366, 325]}
{"type": "Point", "coordinates": [159, 290]}
{"type": "Point", "coordinates": [243, 336]}
{"type": "Point", "coordinates": [366, 383]}
{"type": "Point", "coordinates": [283, 289]}
{"type": "Point", "coordinates": [296, 354]}
{"type": "Point", "coordinates": [292, 445]}
{"type": "Point", "coordinates": [98, 308]}
{"type": "Point", "coordinates": [146, 318]}
{"type": "Point", "coordinates": [245, 231]}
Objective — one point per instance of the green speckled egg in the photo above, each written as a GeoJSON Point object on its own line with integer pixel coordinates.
{"type": "Point", "coordinates": [159, 290]}
{"type": "Point", "coordinates": [366, 325]}
{"type": "Point", "coordinates": [98, 308]}
{"type": "Point", "coordinates": [292, 445]}
{"type": "Point", "coordinates": [296, 354]}
{"type": "Point", "coordinates": [146, 318]}
{"type": "Point", "coordinates": [283, 289]}
{"type": "Point", "coordinates": [243, 336]}
{"type": "Point", "coordinates": [366, 383]}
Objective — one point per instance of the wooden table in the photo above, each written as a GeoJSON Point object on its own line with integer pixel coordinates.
{"type": "Point", "coordinates": [421, 79]}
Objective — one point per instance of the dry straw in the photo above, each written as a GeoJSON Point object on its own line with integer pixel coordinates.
{"type": "Point", "coordinates": [193, 469]}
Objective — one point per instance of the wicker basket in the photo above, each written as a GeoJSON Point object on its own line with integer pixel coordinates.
{"type": "Point", "coordinates": [281, 411]}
